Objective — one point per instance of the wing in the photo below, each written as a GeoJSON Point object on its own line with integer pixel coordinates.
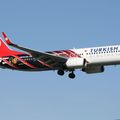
{"type": "Point", "coordinates": [47, 58]}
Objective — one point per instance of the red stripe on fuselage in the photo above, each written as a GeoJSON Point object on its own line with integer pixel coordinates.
{"type": "Point", "coordinates": [9, 63]}
{"type": "Point", "coordinates": [71, 53]}
{"type": "Point", "coordinates": [26, 63]}
{"type": "Point", "coordinates": [74, 53]}
{"type": "Point", "coordinates": [43, 63]}
{"type": "Point", "coordinates": [66, 53]}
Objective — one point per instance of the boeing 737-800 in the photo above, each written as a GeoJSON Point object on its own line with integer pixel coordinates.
{"type": "Point", "coordinates": [89, 60]}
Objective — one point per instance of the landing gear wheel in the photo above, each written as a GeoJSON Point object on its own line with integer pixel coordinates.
{"type": "Point", "coordinates": [71, 75]}
{"type": "Point", "coordinates": [60, 72]}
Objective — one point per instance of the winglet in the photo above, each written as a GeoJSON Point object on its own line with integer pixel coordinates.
{"type": "Point", "coordinates": [8, 41]}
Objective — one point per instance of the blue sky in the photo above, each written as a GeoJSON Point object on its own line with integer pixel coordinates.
{"type": "Point", "coordinates": [53, 25]}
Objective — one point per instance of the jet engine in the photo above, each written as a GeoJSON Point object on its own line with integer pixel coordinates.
{"type": "Point", "coordinates": [93, 69]}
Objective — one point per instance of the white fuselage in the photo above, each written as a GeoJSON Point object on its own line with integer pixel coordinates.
{"type": "Point", "coordinates": [106, 55]}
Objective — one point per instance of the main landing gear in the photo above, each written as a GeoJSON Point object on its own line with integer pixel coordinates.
{"type": "Point", "coordinates": [70, 75]}
{"type": "Point", "coordinates": [60, 72]}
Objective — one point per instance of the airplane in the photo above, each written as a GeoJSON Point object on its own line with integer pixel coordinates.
{"type": "Point", "coordinates": [89, 60]}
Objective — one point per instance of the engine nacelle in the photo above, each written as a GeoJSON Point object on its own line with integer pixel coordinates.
{"type": "Point", "coordinates": [75, 63]}
{"type": "Point", "coordinates": [93, 69]}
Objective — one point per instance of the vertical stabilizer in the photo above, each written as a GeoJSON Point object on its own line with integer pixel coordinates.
{"type": "Point", "coordinates": [4, 49]}
{"type": "Point", "coordinates": [8, 41]}
{"type": "Point", "coordinates": [3, 46]}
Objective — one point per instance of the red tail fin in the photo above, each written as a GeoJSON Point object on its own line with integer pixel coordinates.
{"type": "Point", "coordinates": [8, 41]}
{"type": "Point", "coordinates": [4, 49]}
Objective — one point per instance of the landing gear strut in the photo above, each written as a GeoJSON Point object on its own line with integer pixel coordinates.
{"type": "Point", "coordinates": [71, 75]}
{"type": "Point", "coordinates": [60, 72]}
